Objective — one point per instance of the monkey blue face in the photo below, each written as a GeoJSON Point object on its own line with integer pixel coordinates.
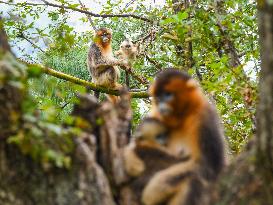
{"type": "Point", "coordinates": [163, 101]}
{"type": "Point", "coordinates": [173, 93]}
{"type": "Point", "coordinates": [105, 37]}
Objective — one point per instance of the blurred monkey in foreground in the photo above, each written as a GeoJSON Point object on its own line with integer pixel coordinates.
{"type": "Point", "coordinates": [101, 63]}
{"type": "Point", "coordinates": [192, 130]}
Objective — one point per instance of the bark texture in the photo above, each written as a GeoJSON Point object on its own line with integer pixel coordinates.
{"type": "Point", "coordinates": [265, 109]}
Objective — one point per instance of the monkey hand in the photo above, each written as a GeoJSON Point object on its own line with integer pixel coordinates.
{"type": "Point", "coordinates": [118, 53]}
{"type": "Point", "coordinates": [134, 166]}
{"type": "Point", "coordinates": [124, 63]}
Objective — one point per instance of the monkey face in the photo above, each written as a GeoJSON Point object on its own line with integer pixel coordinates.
{"type": "Point", "coordinates": [104, 35]}
{"type": "Point", "coordinates": [174, 94]}
{"type": "Point", "coordinates": [127, 45]}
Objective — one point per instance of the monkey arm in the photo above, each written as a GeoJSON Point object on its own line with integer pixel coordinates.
{"type": "Point", "coordinates": [167, 182]}
{"type": "Point", "coordinates": [134, 166]}
{"type": "Point", "coordinates": [118, 53]}
{"type": "Point", "coordinates": [102, 63]}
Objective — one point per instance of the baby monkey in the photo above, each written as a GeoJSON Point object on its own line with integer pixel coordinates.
{"type": "Point", "coordinates": [150, 133]}
{"type": "Point", "coordinates": [128, 52]}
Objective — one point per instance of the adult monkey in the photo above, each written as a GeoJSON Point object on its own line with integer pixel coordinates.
{"type": "Point", "coordinates": [101, 63]}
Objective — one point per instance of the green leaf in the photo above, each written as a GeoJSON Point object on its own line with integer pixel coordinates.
{"type": "Point", "coordinates": [182, 15]}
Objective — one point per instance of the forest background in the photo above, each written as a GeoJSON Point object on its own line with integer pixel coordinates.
{"type": "Point", "coordinates": [215, 41]}
{"type": "Point", "coordinates": [48, 151]}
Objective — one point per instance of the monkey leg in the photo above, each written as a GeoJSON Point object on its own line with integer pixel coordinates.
{"type": "Point", "coordinates": [166, 183]}
{"type": "Point", "coordinates": [191, 192]}
{"type": "Point", "coordinates": [118, 86]}
{"type": "Point", "coordinates": [181, 194]}
{"type": "Point", "coordinates": [114, 99]}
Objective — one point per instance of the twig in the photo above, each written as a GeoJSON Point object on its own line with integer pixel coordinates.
{"type": "Point", "coordinates": [82, 82]}
{"type": "Point", "coordinates": [156, 64]}
{"type": "Point", "coordinates": [129, 3]}
{"type": "Point", "coordinates": [140, 79]}
{"type": "Point", "coordinates": [22, 3]}
{"type": "Point", "coordinates": [88, 16]}
{"type": "Point", "coordinates": [149, 35]}
{"type": "Point", "coordinates": [127, 79]}
{"type": "Point", "coordinates": [138, 90]}
{"type": "Point", "coordinates": [46, 3]}
{"type": "Point", "coordinates": [31, 42]}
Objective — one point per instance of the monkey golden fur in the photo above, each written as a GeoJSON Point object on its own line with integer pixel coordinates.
{"type": "Point", "coordinates": [193, 127]}
{"type": "Point", "coordinates": [101, 62]}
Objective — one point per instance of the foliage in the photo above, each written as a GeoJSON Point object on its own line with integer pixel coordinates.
{"type": "Point", "coordinates": [39, 133]}
{"type": "Point", "coordinates": [197, 37]}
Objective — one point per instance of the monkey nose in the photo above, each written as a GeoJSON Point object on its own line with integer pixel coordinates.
{"type": "Point", "coordinates": [105, 39]}
{"type": "Point", "coordinates": [127, 46]}
{"type": "Point", "coordinates": [164, 109]}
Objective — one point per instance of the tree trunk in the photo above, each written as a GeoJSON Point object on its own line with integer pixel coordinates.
{"type": "Point", "coordinates": [265, 108]}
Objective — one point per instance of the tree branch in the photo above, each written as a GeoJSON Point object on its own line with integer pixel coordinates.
{"type": "Point", "coordinates": [140, 79]}
{"type": "Point", "coordinates": [4, 46]}
{"type": "Point", "coordinates": [84, 83]}
{"type": "Point", "coordinates": [22, 35]}
{"type": "Point", "coordinates": [156, 64]}
{"type": "Point", "coordinates": [97, 15]}
{"type": "Point", "coordinates": [46, 3]}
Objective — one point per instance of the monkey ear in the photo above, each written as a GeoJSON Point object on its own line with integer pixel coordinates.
{"type": "Point", "coordinates": [191, 84]}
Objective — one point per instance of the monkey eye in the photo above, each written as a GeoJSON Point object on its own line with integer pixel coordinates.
{"type": "Point", "coordinates": [128, 46]}
{"type": "Point", "coordinates": [166, 96]}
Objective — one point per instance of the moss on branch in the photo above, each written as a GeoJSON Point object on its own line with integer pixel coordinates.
{"type": "Point", "coordinates": [82, 82]}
